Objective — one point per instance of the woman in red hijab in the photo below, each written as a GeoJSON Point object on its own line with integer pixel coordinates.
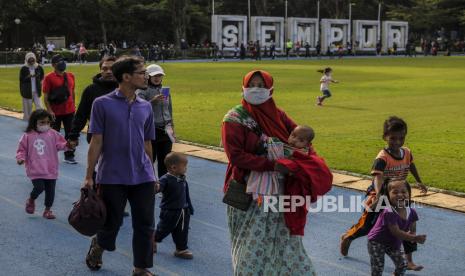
{"type": "Point", "coordinates": [260, 241]}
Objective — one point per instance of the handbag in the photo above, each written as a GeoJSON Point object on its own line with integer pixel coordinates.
{"type": "Point", "coordinates": [60, 94]}
{"type": "Point", "coordinates": [88, 214]}
{"type": "Point", "coordinates": [236, 196]}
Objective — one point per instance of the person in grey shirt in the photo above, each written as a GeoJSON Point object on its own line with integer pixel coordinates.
{"type": "Point", "coordinates": [160, 99]}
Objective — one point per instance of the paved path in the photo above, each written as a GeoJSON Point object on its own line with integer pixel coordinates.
{"type": "Point", "coordinates": [31, 245]}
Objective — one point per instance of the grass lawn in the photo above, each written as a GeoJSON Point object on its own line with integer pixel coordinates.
{"type": "Point", "coordinates": [429, 93]}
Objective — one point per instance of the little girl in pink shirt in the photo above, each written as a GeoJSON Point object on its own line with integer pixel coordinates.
{"type": "Point", "coordinates": [38, 150]}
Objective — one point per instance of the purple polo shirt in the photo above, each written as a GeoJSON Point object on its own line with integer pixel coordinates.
{"type": "Point", "coordinates": [124, 127]}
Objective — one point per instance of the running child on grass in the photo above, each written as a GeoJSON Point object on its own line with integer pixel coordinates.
{"type": "Point", "coordinates": [38, 150]}
{"type": "Point", "coordinates": [325, 80]}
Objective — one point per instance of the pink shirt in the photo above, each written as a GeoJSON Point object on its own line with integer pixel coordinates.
{"type": "Point", "coordinates": [82, 50]}
{"type": "Point", "coordinates": [39, 150]}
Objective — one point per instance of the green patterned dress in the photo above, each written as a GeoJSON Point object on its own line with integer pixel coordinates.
{"type": "Point", "coordinates": [261, 244]}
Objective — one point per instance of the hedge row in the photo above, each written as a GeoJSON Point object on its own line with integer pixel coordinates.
{"type": "Point", "coordinates": [94, 55]}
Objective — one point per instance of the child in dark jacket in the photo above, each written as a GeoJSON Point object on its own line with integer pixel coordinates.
{"type": "Point", "coordinates": [176, 207]}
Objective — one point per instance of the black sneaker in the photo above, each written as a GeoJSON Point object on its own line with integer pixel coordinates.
{"type": "Point", "coordinates": [94, 256]}
{"type": "Point", "coordinates": [70, 160]}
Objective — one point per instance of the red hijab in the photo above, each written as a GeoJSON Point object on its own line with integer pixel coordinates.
{"type": "Point", "coordinates": [267, 115]}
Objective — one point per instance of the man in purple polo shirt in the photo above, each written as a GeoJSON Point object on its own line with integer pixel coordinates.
{"type": "Point", "coordinates": [122, 130]}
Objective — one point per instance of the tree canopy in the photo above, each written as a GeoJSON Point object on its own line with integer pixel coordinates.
{"type": "Point", "coordinates": [97, 21]}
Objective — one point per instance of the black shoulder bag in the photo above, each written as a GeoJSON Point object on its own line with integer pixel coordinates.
{"type": "Point", "coordinates": [60, 94]}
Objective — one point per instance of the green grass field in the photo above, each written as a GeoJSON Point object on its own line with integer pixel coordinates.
{"type": "Point", "coordinates": [429, 93]}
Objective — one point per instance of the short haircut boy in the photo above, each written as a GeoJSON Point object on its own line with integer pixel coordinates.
{"type": "Point", "coordinates": [174, 158]}
{"type": "Point", "coordinates": [394, 124]}
{"type": "Point", "coordinates": [308, 132]}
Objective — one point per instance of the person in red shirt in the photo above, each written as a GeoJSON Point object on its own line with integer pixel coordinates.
{"type": "Point", "coordinates": [63, 111]}
{"type": "Point", "coordinates": [241, 131]}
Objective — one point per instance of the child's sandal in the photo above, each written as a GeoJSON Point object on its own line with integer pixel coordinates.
{"type": "Point", "coordinates": [183, 254]}
{"type": "Point", "coordinates": [48, 214]}
{"type": "Point", "coordinates": [30, 206]}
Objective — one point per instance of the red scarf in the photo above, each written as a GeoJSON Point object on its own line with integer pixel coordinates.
{"type": "Point", "coordinates": [266, 114]}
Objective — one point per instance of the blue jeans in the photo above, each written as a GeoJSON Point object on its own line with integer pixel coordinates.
{"type": "Point", "coordinates": [326, 93]}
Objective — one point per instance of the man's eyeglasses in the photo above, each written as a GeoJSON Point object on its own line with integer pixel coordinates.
{"type": "Point", "coordinates": [141, 72]}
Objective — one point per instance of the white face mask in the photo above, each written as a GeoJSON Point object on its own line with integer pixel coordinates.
{"type": "Point", "coordinates": [256, 95]}
{"type": "Point", "coordinates": [43, 128]}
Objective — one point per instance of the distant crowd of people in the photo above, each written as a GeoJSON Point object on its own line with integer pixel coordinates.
{"type": "Point", "coordinates": [161, 51]}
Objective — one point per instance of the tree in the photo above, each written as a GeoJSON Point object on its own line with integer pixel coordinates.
{"type": "Point", "coordinates": [180, 19]}
{"type": "Point", "coordinates": [9, 11]}
{"type": "Point", "coordinates": [425, 17]}
{"type": "Point", "coordinates": [97, 21]}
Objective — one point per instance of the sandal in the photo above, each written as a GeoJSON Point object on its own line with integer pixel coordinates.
{"type": "Point", "coordinates": [414, 267]}
{"type": "Point", "coordinates": [94, 256]}
{"type": "Point", "coordinates": [144, 272]}
{"type": "Point", "coordinates": [183, 254]}
{"type": "Point", "coordinates": [48, 214]}
{"type": "Point", "coordinates": [30, 206]}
